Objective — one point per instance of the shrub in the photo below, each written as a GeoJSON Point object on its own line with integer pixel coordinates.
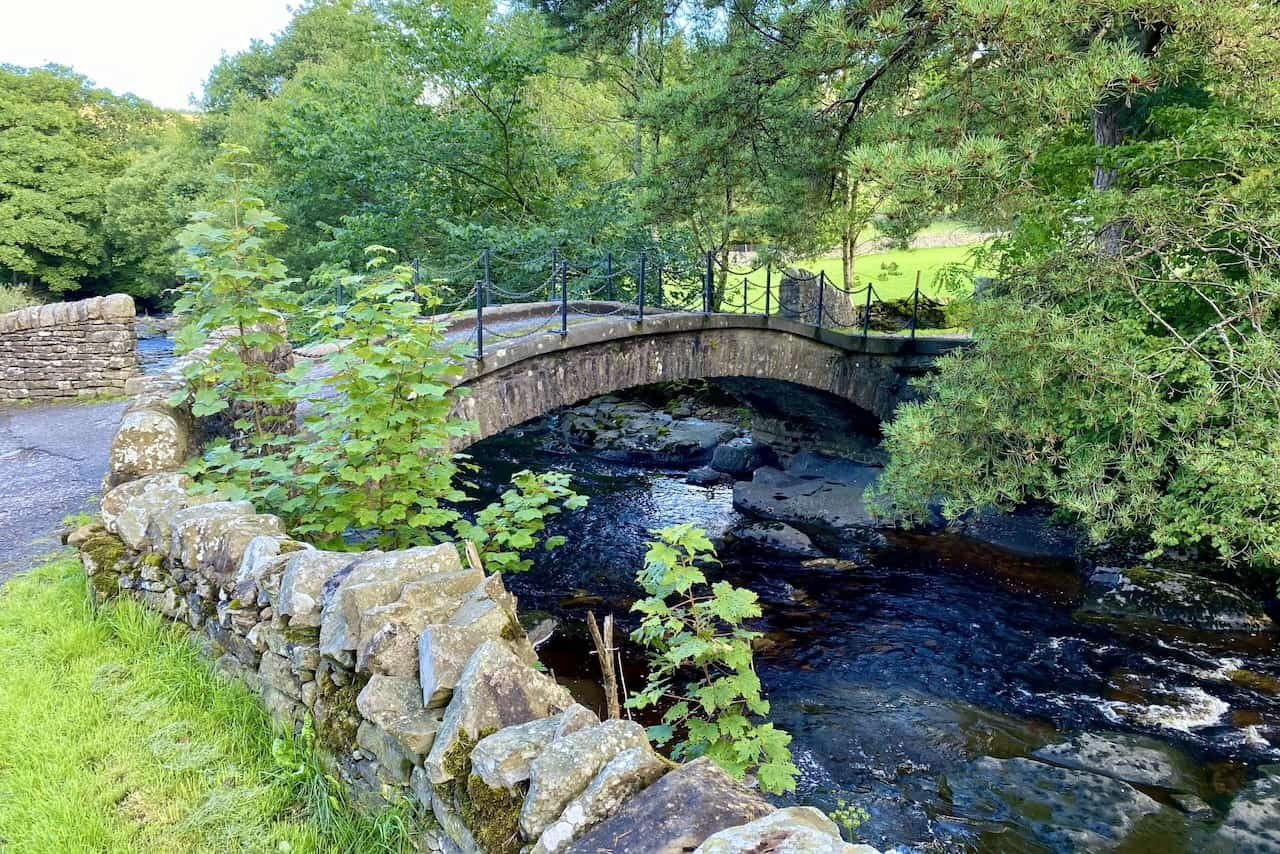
{"type": "Point", "coordinates": [701, 663]}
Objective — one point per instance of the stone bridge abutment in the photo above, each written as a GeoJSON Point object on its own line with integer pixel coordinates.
{"type": "Point", "coordinates": [534, 377]}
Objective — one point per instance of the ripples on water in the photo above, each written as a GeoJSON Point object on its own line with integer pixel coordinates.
{"type": "Point", "coordinates": [896, 677]}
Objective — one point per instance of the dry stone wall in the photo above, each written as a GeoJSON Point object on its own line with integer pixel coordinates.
{"type": "Point", "coordinates": [414, 669]}
{"type": "Point", "coordinates": [66, 350]}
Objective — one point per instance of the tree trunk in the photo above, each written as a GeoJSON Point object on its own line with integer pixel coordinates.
{"type": "Point", "coordinates": [848, 235]}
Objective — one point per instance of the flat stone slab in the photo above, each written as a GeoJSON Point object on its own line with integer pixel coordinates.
{"type": "Point", "coordinates": [676, 814]}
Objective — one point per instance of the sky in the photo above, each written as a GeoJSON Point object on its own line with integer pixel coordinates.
{"type": "Point", "coordinates": [160, 50]}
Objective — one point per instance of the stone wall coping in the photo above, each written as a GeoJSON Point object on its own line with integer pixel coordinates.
{"type": "Point", "coordinates": [117, 307]}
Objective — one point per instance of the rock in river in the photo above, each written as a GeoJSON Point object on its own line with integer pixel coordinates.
{"type": "Point", "coordinates": [825, 502]}
{"type": "Point", "coordinates": [1131, 758]}
{"type": "Point", "coordinates": [1152, 594]}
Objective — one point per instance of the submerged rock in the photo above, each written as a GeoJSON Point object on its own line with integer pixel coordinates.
{"type": "Point", "coordinates": [779, 538]}
{"type": "Point", "coordinates": [1131, 758]}
{"type": "Point", "coordinates": [1065, 809]}
{"type": "Point", "coordinates": [675, 814]}
{"type": "Point", "coordinates": [1152, 594]}
{"type": "Point", "coordinates": [1253, 822]}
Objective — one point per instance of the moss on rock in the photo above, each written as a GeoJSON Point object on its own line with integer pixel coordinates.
{"type": "Point", "coordinates": [336, 715]}
{"type": "Point", "coordinates": [492, 815]}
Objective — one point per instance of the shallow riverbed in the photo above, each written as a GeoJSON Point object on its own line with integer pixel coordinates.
{"type": "Point", "coordinates": [930, 685]}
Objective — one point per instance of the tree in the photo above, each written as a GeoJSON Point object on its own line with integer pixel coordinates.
{"type": "Point", "coordinates": [61, 143]}
{"type": "Point", "coordinates": [1129, 370]}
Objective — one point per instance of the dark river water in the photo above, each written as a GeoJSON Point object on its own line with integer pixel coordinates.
{"type": "Point", "coordinates": [914, 685]}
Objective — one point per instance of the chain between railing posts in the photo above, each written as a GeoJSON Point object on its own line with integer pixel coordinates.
{"type": "Point", "coordinates": [915, 307]}
{"type": "Point", "coordinates": [866, 314]}
{"type": "Point", "coordinates": [822, 290]}
{"type": "Point", "coordinates": [481, 290]}
{"type": "Point", "coordinates": [640, 287]}
{"type": "Point", "coordinates": [608, 276]}
{"type": "Point", "coordinates": [564, 298]}
{"type": "Point", "coordinates": [768, 283]}
{"type": "Point", "coordinates": [706, 287]}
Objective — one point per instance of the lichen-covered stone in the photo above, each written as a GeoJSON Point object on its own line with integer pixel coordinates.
{"type": "Point", "coordinates": [627, 773]}
{"type": "Point", "coordinates": [387, 750]}
{"type": "Point", "coordinates": [796, 830]}
{"type": "Point", "coordinates": [371, 582]}
{"type": "Point", "coordinates": [194, 530]}
{"type": "Point", "coordinates": [560, 772]}
{"type": "Point", "coordinates": [496, 690]}
{"type": "Point", "coordinates": [675, 814]}
{"type": "Point", "coordinates": [274, 670]}
{"type": "Point", "coordinates": [302, 582]}
{"type": "Point", "coordinates": [502, 759]}
{"type": "Point", "coordinates": [395, 705]}
{"type": "Point", "coordinates": [443, 650]}
{"type": "Point", "coordinates": [149, 441]}
{"type": "Point", "coordinates": [128, 509]}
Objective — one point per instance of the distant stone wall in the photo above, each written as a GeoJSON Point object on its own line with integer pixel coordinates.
{"type": "Point", "coordinates": [414, 668]}
{"type": "Point", "coordinates": [67, 350]}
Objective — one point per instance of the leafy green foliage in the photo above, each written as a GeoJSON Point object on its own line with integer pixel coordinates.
{"type": "Point", "coordinates": [235, 295]}
{"type": "Point", "coordinates": [375, 454]}
{"type": "Point", "coordinates": [701, 666]}
{"type": "Point", "coordinates": [509, 528]}
{"type": "Point", "coordinates": [849, 817]}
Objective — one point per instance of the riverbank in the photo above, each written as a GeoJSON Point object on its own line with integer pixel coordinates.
{"type": "Point", "coordinates": [985, 688]}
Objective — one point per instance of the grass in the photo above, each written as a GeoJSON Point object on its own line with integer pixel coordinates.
{"type": "Point", "coordinates": [116, 736]}
{"type": "Point", "coordinates": [14, 297]}
{"type": "Point", "coordinates": [893, 274]}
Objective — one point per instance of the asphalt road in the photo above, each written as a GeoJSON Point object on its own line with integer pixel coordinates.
{"type": "Point", "coordinates": [52, 459]}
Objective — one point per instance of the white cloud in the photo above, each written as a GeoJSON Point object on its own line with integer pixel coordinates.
{"type": "Point", "coordinates": [161, 50]}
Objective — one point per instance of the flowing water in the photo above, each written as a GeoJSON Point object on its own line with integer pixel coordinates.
{"type": "Point", "coordinates": [908, 684]}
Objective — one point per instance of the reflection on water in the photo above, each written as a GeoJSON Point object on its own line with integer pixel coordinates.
{"type": "Point", "coordinates": [914, 686]}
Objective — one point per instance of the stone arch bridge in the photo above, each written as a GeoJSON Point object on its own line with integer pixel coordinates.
{"type": "Point", "coordinates": [525, 374]}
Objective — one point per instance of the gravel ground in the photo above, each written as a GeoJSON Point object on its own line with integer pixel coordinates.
{"type": "Point", "coordinates": [52, 459]}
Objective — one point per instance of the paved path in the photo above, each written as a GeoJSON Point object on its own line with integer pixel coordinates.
{"type": "Point", "coordinates": [52, 459]}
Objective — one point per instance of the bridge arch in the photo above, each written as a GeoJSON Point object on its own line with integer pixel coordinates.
{"type": "Point", "coordinates": [538, 375]}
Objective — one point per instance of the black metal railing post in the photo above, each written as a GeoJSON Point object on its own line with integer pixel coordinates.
{"type": "Point", "coordinates": [338, 282]}
{"type": "Point", "coordinates": [608, 276]}
{"type": "Point", "coordinates": [481, 287]}
{"type": "Point", "coordinates": [866, 314]}
{"type": "Point", "coordinates": [915, 307]}
{"type": "Point", "coordinates": [658, 296]}
{"type": "Point", "coordinates": [417, 279]}
{"type": "Point", "coordinates": [706, 287]}
{"type": "Point", "coordinates": [768, 283]}
{"type": "Point", "coordinates": [822, 291]}
{"type": "Point", "coordinates": [564, 298]}
{"type": "Point", "coordinates": [744, 294]}
{"type": "Point", "coordinates": [640, 286]}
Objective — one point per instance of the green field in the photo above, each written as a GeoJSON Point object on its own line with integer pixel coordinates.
{"type": "Point", "coordinates": [892, 273]}
{"type": "Point", "coordinates": [116, 736]}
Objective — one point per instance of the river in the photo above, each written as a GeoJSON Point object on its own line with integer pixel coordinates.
{"type": "Point", "coordinates": [930, 684]}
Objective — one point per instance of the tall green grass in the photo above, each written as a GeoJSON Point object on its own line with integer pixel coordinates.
{"type": "Point", "coordinates": [14, 297]}
{"type": "Point", "coordinates": [117, 736]}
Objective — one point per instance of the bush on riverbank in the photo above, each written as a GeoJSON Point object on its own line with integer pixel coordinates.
{"type": "Point", "coordinates": [116, 735]}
